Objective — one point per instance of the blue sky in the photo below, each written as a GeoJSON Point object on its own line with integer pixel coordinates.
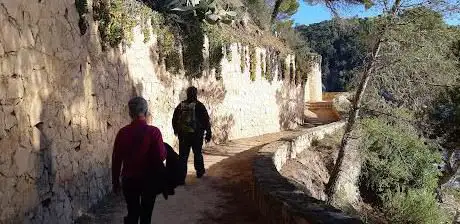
{"type": "Point", "coordinates": [309, 14]}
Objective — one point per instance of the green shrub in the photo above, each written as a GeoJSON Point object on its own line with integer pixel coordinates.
{"type": "Point", "coordinates": [117, 18]}
{"type": "Point", "coordinates": [400, 173]}
{"type": "Point", "coordinates": [260, 13]}
{"type": "Point", "coordinates": [397, 159]}
{"type": "Point", "coordinates": [415, 206]}
{"type": "Point", "coordinates": [217, 42]}
{"type": "Point", "coordinates": [193, 41]}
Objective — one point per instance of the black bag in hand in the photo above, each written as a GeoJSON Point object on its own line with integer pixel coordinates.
{"type": "Point", "coordinates": [172, 173]}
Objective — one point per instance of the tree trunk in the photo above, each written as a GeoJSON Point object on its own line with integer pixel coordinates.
{"type": "Point", "coordinates": [276, 9]}
{"type": "Point", "coordinates": [354, 113]}
{"type": "Point", "coordinates": [333, 188]}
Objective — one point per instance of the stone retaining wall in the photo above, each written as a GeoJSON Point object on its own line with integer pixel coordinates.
{"type": "Point", "coordinates": [279, 199]}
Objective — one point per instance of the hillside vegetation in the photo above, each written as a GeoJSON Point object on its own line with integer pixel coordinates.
{"type": "Point", "coordinates": [410, 112]}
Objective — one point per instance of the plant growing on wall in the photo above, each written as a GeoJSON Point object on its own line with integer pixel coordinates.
{"type": "Point", "coordinates": [117, 18]}
{"type": "Point", "coordinates": [82, 9]}
{"type": "Point", "coordinates": [281, 68]}
{"type": "Point", "coordinates": [193, 51]}
{"type": "Point", "coordinates": [304, 63]}
{"type": "Point", "coordinates": [217, 42]}
{"type": "Point", "coordinates": [252, 63]}
{"type": "Point", "coordinates": [242, 59]}
{"type": "Point", "coordinates": [177, 24]}
{"type": "Point", "coordinates": [228, 52]}
{"type": "Point", "coordinates": [193, 22]}
{"type": "Point", "coordinates": [262, 64]}
{"type": "Point", "coordinates": [145, 22]}
{"type": "Point", "coordinates": [270, 60]}
{"type": "Point", "coordinates": [167, 43]}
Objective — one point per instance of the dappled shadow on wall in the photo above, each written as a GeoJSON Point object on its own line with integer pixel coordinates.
{"type": "Point", "coordinates": [211, 91]}
{"type": "Point", "coordinates": [65, 120]}
{"type": "Point", "coordinates": [83, 132]}
{"type": "Point", "coordinates": [289, 108]}
{"type": "Point", "coordinates": [221, 129]}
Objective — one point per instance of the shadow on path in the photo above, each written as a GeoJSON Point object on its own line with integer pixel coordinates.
{"type": "Point", "coordinates": [223, 195]}
{"type": "Point", "coordinates": [232, 177]}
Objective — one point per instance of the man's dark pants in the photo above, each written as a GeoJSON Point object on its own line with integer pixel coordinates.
{"type": "Point", "coordinates": [140, 198]}
{"type": "Point", "coordinates": [194, 141]}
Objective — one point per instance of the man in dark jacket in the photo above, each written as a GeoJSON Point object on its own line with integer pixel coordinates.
{"type": "Point", "coordinates": [140, 150]}
{"type": "Point", "coordinates": [190, 123]}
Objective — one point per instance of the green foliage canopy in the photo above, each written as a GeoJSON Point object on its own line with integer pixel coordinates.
{"type": "Point", "coordinates": [341, 43]}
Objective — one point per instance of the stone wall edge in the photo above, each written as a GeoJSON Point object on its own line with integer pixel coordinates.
{"type": "Point", "coordinates": [276, 197]}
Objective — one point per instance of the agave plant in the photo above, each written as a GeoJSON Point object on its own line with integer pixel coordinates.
{"type": "Point", "coordinates": [221, 15]}
{"type": "Point", "coordinates": [207, 10]}
{"type": "Point", "coordinates": [213, 14]}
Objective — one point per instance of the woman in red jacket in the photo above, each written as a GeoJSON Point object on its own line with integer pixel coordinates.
{"type": "Point", "coordinates": [139, 148]}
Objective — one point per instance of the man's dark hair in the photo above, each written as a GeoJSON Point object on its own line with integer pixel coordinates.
{"type": "Point", "coordinates": [137, 106]}
{"type": "Point", "coordinates": [192, 93]}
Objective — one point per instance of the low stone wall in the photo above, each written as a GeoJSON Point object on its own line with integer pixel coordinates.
{"type": "Point", "coordinates": [329, 96]}
{"type": "Point", "coordinates": [280, 200]}
{"type": "Point", "coordinates": [320, 112]}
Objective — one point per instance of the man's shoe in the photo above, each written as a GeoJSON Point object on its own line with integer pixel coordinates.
{"type": "Point", "coordinates": [200, 174]}
{"type": "Point", "coordinates": [181, 183]}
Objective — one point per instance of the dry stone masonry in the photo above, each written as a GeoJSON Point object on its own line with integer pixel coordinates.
{"type": "Point", "coordinates": [62, 100]}
{"type": "Point", "coordinates": [282, 201]}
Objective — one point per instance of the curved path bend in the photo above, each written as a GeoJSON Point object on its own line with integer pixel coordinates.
{"type": "Point", "coordinates": [221, 196]}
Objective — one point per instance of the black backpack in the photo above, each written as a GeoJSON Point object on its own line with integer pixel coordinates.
{"type": "Point", "coordinates": [187, 117]}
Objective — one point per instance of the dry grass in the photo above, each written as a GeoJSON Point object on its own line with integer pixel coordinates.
{"type": "Point", "coordinates": [451, 202]}
{"type": "Point", "coordinates": [254, 36]}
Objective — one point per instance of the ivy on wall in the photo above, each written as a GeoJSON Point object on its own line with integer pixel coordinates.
{"type": "Point", "coordinates": [168, 45]}
{"type": "Point", "coordinates": [262, 64]}
{"type": "Point", "coordinates": [217, 43]}
{"type": "Point", "coordinates": [243, 54]}
{"type": "Point", "coordinates": [193, 52]}
{"type": "Point", "coordinates": [252, 63]}
{"type": "Point", "coordinates": [270, 60]}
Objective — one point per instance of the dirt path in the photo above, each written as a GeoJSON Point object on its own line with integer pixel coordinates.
{"type": "Point", "coordinates": [221, 196]}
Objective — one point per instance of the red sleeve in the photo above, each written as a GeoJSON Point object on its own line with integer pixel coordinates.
{"type": "Point", "coordinates": [158, 145]}
{"type": "Point", "coordinates": [116, 159]}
